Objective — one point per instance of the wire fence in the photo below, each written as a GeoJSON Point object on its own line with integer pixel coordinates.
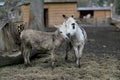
{"type": "Point", "coordinates": [94, 22]}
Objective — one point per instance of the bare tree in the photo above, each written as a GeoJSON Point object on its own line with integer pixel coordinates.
{"type": "Point", "coordinates": [37, 15]}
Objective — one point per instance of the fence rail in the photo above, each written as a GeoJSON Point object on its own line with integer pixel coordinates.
{"type": "Point", "coordinates": [95, 22]}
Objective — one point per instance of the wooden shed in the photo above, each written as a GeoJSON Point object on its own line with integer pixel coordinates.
{"type": "Point", "coordinates": [25, 12]}
{"type": "Point", "coordinates": [53, 10]}
{"type": "Point", "coordinates": [96, 12]}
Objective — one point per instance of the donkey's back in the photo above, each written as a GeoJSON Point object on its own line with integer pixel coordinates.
{"type": "Point", "coordinates": [37, 39]}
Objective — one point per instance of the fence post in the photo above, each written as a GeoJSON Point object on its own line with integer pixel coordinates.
{"type": "Point", "coordinates": [96, 23]}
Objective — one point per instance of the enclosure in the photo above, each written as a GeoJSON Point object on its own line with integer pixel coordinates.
{"type": "Point", "coordinates": [101, 55]}
{"type": "Point", "coordinates": [100, 61]}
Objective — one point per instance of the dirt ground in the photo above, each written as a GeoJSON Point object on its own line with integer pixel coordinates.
{"type": "Point", "coordinates": [100, 61]}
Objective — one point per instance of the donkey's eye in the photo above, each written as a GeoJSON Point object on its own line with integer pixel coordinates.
{"type": "Point", "coordinates": [60, 32]}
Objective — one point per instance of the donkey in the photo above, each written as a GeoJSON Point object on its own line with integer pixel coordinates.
{"type": "Point", "coordinates": [42, 41]}
{"type": "Point", "coordinates": [77, 36]}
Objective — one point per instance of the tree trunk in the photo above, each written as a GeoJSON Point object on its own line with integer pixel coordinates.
{"type": "Point", "coordinates": [37, 15]}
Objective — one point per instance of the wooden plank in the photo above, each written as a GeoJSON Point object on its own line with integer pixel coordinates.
{"type": "Point", "coordinates": [1, 41]}
{"type": "Point", "coordinates": [3, 24]}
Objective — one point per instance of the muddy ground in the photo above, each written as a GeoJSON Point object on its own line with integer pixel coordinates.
{"type": "Point", "coordinates": [100, 61]}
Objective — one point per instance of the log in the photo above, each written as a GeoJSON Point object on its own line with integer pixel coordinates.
{"type": "Point", "coordinates": [7, 59]}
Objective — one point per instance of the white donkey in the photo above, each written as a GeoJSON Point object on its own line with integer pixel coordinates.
{"type": "Point", "coordinates": [77, 36]}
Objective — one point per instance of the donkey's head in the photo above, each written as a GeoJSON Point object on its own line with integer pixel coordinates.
{"type": "Point", "coordinates": [62, 31]}
{"type": "Point", "coordinates": [71, 25]}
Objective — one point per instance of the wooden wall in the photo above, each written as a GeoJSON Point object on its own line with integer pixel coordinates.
{"type": "Point", "coordinates": [56, 10]}
{"type": "Point", "coordinates": [102, 13]}
{"type": "Point", "coordinates": [53, 12]}
{"type": "Point", "coordinates": [25, 12]}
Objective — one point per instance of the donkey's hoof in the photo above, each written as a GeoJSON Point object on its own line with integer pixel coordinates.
{"type": "Point", "coordinates": [28, 65]}
{"type": "Point", "coordinates": [79, 66]}
{"type": "Point", "coordinates": [66, 58]}
{"type": "Point", "coordinates": [53, 65]}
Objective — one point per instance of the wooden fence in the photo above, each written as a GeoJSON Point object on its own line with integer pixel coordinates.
{"type": "Point", "coordinates": [95, 22]}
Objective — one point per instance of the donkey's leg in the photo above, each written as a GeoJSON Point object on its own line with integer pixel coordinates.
{"type": "Point", "coordinates": [52, 58]}
{"type": "Point", "coordinates": [68, 48]}
{"type": "Point", "coordinates": [66, 51]}
{"type": "Point", "coordinates": [28, 57]}
{"type": "Point", "coordinates": [80, 50]}
{"type": "Point", "coordinates": [77, 55]}
{"type": "Point", "coordinates": [25, 56]}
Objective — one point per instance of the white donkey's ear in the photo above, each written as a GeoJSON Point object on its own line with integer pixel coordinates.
{"type": "Point", "coordinates": [73, 16]}
{"type": "Point", "coordinates": [57, 26]}
{"type": "Point", "coordinates": [64, 16]}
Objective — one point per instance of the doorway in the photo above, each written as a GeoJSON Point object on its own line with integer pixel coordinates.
{"type": "Point", "coordinates": [46, 17]}
{"type": "Point", "coordinates": [84, 13]}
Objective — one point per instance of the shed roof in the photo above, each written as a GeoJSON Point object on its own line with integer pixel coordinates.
{"type": "Point", "coordinates": [93, 8]}
{"type": "Point", "coordinates": [46, 1]}
{"type": "Point", "coordinates": [83, 3]}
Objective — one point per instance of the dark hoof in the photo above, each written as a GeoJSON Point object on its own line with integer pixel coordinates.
{"type": "Point", "coordinates": [79, 66]}
{"type": "Point", "coordinates": [28, 65]}
{"type": "Point", "coordinates": [53, 65]}
{"type": "Point", "coordinates": [66, 58]}
{"type": "Point", "coordinates": [46, 61]}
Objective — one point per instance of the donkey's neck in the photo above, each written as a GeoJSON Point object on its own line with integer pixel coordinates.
{"type": "Point", "coordinates": [57, 39]}
{"type": "Point", "coordinates": [79, 34]}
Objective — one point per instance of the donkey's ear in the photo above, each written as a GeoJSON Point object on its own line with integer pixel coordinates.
{"type": "Point", "coordinates": [64, 16]}
{"type": "Point", "coordinates": [73, 16]}
{"type": "Point", "coordinates": [57, 26]}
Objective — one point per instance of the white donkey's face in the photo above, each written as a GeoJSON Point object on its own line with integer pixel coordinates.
{"type": "Point", "coordinates": [62, 31]}
{"type": "Point", "coordinates": [70, 26]}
